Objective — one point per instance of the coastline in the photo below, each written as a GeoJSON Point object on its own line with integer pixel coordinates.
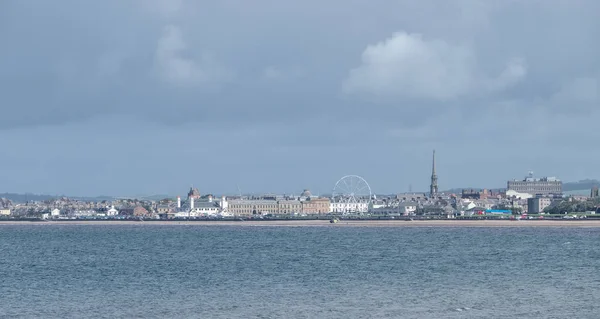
{"type": "Point", "coordinates": [326, 223]}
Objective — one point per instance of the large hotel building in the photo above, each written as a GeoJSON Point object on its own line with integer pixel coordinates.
{"type": "Point", "coordinates": [536, 186]}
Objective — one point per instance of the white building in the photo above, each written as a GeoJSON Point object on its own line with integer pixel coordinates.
{"type": "Point", "coordinates": [378, 204]}
{"type": "Point", "coordinates": [534, 186]}
{"type": "Point", "coordinates": [85, 213]}
{"type": "Point", "coordinates": [511, 193]}
{"type": "Point", "coordinates": [4, 211]}
{"type": "Point", "coordinates": [112, 211]}
{"type": "Point", "coordinates": [201, 207]}
{"type": "Point", "coordinates": [465, 204]}
{"type": "Point", "coordinates": [55, 213]}
{"type": "Point", "coordinates": [223, 204]}
{"type": "Point", "coordinates": [348, 207]}
{"type": "Point", "coordinates": [403, 209]}
{"type": "Point", "coordinates": [407, 208]}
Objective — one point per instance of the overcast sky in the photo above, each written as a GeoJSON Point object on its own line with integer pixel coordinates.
{"type": "Point", "coordinates": [131, 97]}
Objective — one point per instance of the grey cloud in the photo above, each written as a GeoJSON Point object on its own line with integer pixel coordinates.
{"type": "Point", "coordinates": [207, 81]}
{"type": "Point", "coordinates": [142, 48]}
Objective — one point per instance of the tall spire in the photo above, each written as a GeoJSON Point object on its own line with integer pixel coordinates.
{"type": "Point", "coordinates": [433, 166]}
{"type": "Point", "coordinates": [433, 188]}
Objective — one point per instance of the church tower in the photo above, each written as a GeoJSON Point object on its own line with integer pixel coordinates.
{"type": "Point", "coordinates": [433, 188]}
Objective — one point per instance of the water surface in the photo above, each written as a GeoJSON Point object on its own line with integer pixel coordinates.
{"type": "Point", "coordinates": [157, 271]}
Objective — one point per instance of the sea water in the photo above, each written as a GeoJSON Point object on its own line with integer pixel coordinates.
{"type": "Point", "coordinates": [176, 271]}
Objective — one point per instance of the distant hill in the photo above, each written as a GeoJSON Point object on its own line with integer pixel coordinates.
{"type": "Point", "coordinates": [459, 190]}
{"type": "Point", "coordinates": [148, 197]}
{"type": "Point", "coordinates": [22, 198]}
{"type": "Point", "coordinates": [580, 192]}
{"type": "Point", "coordinates": [585, 184]}
{"type": "Point", "coordinates": [582, 185]}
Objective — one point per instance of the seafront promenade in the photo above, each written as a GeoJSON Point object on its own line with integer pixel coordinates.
{"type": "Point", "coordinates": [326, 223]}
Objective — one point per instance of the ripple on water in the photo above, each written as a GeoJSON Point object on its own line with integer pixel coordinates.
{"type": "Point", "coordinates": [78, 271]}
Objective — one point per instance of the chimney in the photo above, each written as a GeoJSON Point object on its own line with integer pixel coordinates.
{"type": "Point", "coordinates": [191, 202]}
{"type": "Point", "coordinates": [178, 202]}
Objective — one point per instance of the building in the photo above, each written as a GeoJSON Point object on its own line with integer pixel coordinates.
{"type": "Point", "coordinates": [433, 187]}
{"type": "Point", "coordinates": [475, 194]}
{"type": "Point", "coordinates": [112, 211]}
{"type": "Point", "coordinates": [5, 203]}
{"type": "Point", "coordinates": [242, 207]}
{"type": "Point", "coordinates": [414, 197]}
{"type": "Point", "coordinates": [314, 206]}
{"type": "Point", "coordinates": [516, 195]}
{"type": "Point", "coordinates": [194, 193]}
{"type": "Point", "coordinates": [349, 207]}
{"type": "Point", "coordinates": [164, 209]}
{"type": "Point", "coordinates": [538, 204]}
{"type": "Point", "coordinates": [4, 212]}
{"type": "Point", "coordinates": [595, 193]}
{"type": "Point", "coordinates": [206, 208]}
{"type": "Point", "coordinates": [133, 211]}
{"type": "Point", "coordinates": [55, 213]}
{"type": "Point", "coordinates": [277, 206]}
{"type": "Point", "coordinates": [384, 211]}
{"type": "Point", "coordinates": [290, 207]}
{"type": "Point", "coordinates": [306, 194]}
{"type": "Point", "coordinates": [536, 186]}
{"type": "Point", "coordinates": [407, 208]}
{"type": "Point", "coordinates": [195, 206]}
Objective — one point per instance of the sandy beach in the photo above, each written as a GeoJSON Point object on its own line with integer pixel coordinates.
{"type": "Point", "coordinates": [326, 223]}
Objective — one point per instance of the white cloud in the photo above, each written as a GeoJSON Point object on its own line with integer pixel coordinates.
{"type": "Point", "coordinates": [177, 68]}
{"type": "Point", "coordinates": [410, 66]}
{"type": "Point", "coordinates": [515, 71]}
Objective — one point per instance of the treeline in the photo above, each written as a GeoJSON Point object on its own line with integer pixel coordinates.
{"type": "Point", "coordinates": [573, 206]}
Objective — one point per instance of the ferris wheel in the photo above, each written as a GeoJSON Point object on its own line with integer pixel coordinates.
{"type": "Point", "coordinates": [351, 189]}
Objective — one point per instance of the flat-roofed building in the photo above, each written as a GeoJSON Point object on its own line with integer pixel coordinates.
{"type": "Point", "coordinates": [290, 207]}
{"type": "Point", "coordinates": [349, 207]}
{"type": "Point", "coordinates": [537, 205]}
{"type": "Point", "coordinates": [536, 186]}
{"type": "Point", "coordinates": [475, 193]}
{"type": "Point", "coordinates": [240, 207]}
{"type": "Point", "coordinates": [314, 206]}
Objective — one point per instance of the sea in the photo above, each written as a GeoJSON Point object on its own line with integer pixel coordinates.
{"type": "Point", "coordinates": [194, 271]}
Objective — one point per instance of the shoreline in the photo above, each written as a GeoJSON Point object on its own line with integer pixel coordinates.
{"type": "Point", "coordinates": [326, 223]}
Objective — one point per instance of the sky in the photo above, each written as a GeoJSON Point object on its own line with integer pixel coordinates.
{"type": "Point", "coordinates": [141, 97]}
